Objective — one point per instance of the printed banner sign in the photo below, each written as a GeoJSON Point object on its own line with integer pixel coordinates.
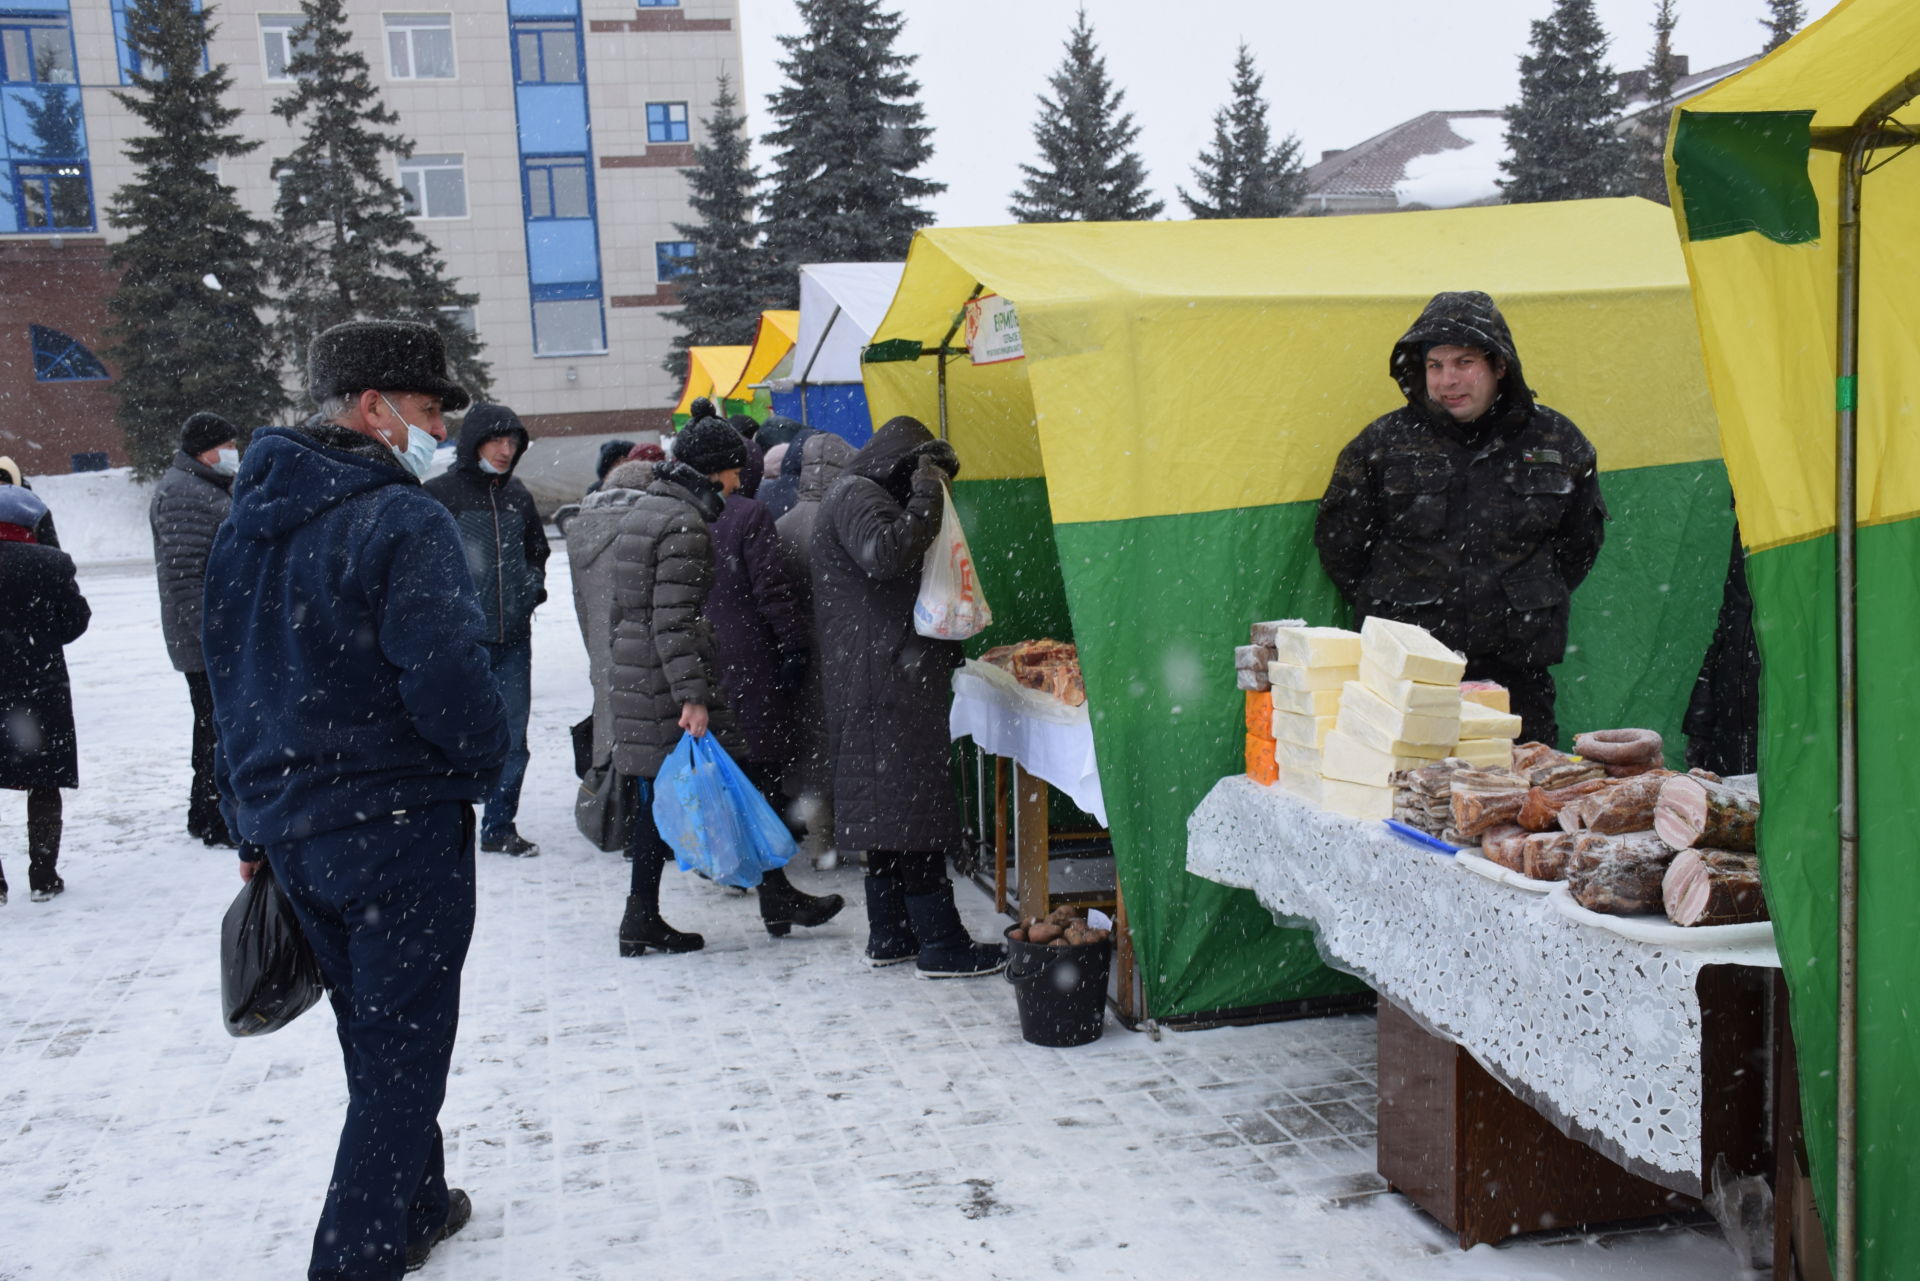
{"type": "Point", "coordinates": [993, 330]}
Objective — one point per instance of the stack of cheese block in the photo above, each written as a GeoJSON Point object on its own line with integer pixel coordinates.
{"type": "Point", "coordinates": [1310, 665]}
{"type": "Point", "coordinates": [1402, 712]}
{"type": "Point", "coordinates": [1487, 725]}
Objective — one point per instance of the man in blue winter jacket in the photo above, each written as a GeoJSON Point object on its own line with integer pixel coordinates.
{"type": "Point", "coordinates": [355, 729]}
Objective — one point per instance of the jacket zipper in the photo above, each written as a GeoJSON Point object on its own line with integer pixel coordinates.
{"type": "Point", "coordinates": [499, 563]}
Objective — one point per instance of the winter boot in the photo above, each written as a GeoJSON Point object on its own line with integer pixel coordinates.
{"type": "Point", "coordinates": [890, 937]}
{"type": "Point", "coordinates": [641, 928]}
{"type": "Point", "coordinates": [3, 888]}
{"type": "Point", "coordinates": [459, 1211]}
{"type": "Point", "coordinates": [946, 951]}
{"type": "Point", "coordinates": [509, 842]}
{"type": "Point", "coordinates": [43, 850]}
{"type": "Point", "coordinates": [783, 905]}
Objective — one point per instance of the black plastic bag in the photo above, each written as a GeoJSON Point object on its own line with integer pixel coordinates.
{"type": "Point", "coordinates": [582, 747]}
{"type": "Point", "coordinates": [268, 974]}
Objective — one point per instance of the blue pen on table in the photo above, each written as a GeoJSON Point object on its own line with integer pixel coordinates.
{"type": "Point", "coordinates": [1420, 838]}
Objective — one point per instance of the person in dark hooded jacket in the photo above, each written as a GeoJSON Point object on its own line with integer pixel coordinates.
{"type": "Point", "coordinates": [612, 454]}
{"type": "Point", "coordinates": [888, 691]}
{"type": "Point", "coordinates": [1474, 511]}
{"type": "Point", "coordinates": [779, 492]}
{"type": "Point", "coordinates": [506, 551]}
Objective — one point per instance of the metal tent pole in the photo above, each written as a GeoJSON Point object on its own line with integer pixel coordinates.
{"type": "Point", "coordinates": [808, 371]}
{"type": "Point", "coordinates": [940, 359]}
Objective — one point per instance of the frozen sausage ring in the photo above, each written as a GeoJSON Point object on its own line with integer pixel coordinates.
{"type": "Point", "coordinates": [1619, 746]}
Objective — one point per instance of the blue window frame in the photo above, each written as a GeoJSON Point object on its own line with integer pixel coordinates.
{"type": "Point", "coordinates": [657, 4]}
{"type": "Point", "coordinates": [127, 55]}
{"type": "Point", "coordinates": [59, 358]}
{"type": "Point", "coordinates": [558, 187]}
{"type": "Point", "coordinates": [52, 195]}
{"type": "Point", "coordinates": [36, 49]}
{"type": "Point", "coordinates": [546, 51]}
{"type": "Point", "coordinates": [672, 259]}
{"type": "Point", "coordinates": [666, 122]}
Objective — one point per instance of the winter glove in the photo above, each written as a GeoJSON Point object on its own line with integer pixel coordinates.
{"type": "Point", "coordinates": [793, 668]}
{"type": "Point", "coordinates": [940, 454]}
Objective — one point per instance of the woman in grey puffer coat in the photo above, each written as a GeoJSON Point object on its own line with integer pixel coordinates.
{"type": "Point", "coordinates": [663, 673]}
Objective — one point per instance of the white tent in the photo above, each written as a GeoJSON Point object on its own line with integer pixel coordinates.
{"type": "Point", "coordinates": [841, 303]}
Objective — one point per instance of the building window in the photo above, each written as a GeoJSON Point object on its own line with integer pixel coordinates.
{"type": "Point", "coordinates": [658, 4]}
{"type": "Point", "coordinates": [672, 259]}
{"type": "Point", "coordinates": [567, 326]}
{"type": "Point", "coordinates": [435, 186]}
{"type": "Point", "coordinates": [666, 122]}
{"type": "Point", "coordinates": [277, 44]}
{"type": "Point", "coordinates": [35, 50]}
{"type": "Point", "coordinates": [53, 197]}
{"type": "Point", "coordinates": [58, 358]}
{"type": "Point", "coordinates": [420, 46]}
{"type": "Point", "coordinates": [557, 187]}
{"type": "Point", "coordinates": [546, 52]}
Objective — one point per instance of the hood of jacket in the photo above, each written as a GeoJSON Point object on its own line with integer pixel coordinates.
{"type": "Point", "coordinates": [292, 474]}
{"type": "Point", "coordinates": [485, 422]}
{"type": "Point", "coordinates": [825, 456]}
{"type": "Point", "coordinates": [796, 452]}
{"type": "Point", "coordinates": [677, 480]}
{"type": "Point", "coordinates": [887, 458]}
{"type": "Point", "coordinates": [755, 469]}
{"type": "Point", "coordinates": [1464, 319]}
{"type": "Point", "coordinates": [595, 527]}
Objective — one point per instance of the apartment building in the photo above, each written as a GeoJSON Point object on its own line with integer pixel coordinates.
{"type": "Point", "coordinates": [549, 138]}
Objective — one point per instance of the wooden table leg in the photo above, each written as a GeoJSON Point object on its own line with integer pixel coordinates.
{"type": "Point", "coordinates": [1000, 835]}
{"type": "Point", "coordinates": [1030, 842]}
{"type": "Point", "coordinates": [1122, 955]}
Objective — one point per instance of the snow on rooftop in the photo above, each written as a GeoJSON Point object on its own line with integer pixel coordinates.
{"type": "Point", "coordinates": [1461, 176]}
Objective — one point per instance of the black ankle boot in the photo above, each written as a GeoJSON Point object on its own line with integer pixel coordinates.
{"type": "Point", "coordinates": [783, 905]}
{"type": "Point", "coordinates": [890, 937]}
{"type": "Point", "coordinates": [641, 928]}
{"type": "Point", "coordinates": [946, 949]}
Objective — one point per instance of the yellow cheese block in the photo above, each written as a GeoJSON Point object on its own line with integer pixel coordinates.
{"type": "Point", "coordinates": [1316, 646]}
{"type": "Point", "coordinates": [1485, 752]}
{"type": "Point", "coordinates": [1487, 694]}
{"type": "Point", "coordinates": [1302, 784]}
{"type": "Point", "coordinates": [1405, 652]}
{"type": "Point", "coordinates": [1297, 757]}
{"type": "Point", "coordinates": [1360, 706]}
{"type": "Point", "coordinates": [1307, 702]}
{"type": "Point", "coordinates": [1304, 680]}
{"type": "Point", "coordinates": [1308, 731]}
{"type": "Point", "coordinates": [1477, 721]}
{"type": "Point", "coordinates": [1356, 800]}
{"type": "Point", "coordinates": [1348, 759]}
{"type": "Point", "coordinates": [1410, 696]}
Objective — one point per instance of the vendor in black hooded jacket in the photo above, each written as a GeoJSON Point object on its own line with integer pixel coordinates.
{"type": "Point", "coordinates": [1474, 511]}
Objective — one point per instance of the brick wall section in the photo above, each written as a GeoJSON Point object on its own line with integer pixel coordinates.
{"type": "Point", "coordinates": [661, 20]}
{"type": "Point", "coordinates": [623, 422]}
{"type": "Point", "coordinates": [670, 155]}
{"type": "Point", "coordinates": [62, 283]}
{"type": "Point", "coordinates": [667, 295]}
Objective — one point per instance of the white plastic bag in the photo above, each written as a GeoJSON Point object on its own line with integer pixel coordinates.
{"type": "Point", "coordinates": [951, 605]}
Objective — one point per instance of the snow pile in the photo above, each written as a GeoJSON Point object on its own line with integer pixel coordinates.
{"type": "Point", "coordinates": [1449, 179]}
{"type": "Point", "coordinates": [100, 516]}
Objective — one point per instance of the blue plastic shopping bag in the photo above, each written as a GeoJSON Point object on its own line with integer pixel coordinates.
{"type": "Point", "coordinates": [714, 819]}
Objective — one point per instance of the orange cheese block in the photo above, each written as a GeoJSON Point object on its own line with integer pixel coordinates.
{"type": "Point", "coordinates": [1261, 767]}
{"type": "Point", "coordinates": [1260, 713]}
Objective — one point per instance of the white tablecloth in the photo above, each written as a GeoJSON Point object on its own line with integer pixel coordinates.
{"type": "Point", "coordinates": [1600, 1033]}
{"type": "Point", "coordinates": [1049, 739]}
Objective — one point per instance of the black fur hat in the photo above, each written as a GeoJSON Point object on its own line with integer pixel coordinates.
{"type": "Point", "coordinates": [206, 430]}
{"type": "Point", "coordinates": [382, 355]}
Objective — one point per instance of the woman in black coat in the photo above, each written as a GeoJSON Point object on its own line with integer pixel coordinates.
{"type": "Point", "coordinates": [888, 690]}
{"type": "Point", "coordinates": [41, 610]}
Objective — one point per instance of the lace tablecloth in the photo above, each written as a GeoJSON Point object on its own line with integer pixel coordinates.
{"type": "Point", "coordinates": [1598, 1033]}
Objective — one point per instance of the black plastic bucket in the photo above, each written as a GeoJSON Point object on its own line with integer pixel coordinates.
{"type": "Point", "coordinates": [1061, 992]}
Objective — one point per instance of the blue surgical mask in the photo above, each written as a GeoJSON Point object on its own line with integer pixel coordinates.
{"type": "Point", "coordinates": [490, 469]}
{"type": "Point", "coordinates": [227, 462]}
{"type": "Point", "coordinates": [418, 455]}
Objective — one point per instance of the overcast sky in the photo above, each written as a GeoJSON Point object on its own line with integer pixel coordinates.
{"type": "Point", "coordinates": [1336, 73]}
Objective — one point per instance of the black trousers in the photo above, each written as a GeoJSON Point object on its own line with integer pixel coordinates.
{"type": "Point", "coordinates": [649, 850]}
{"type": "Point", "coordinates": [1531, 691]}
{"type": "Point", "coordinates": [918, 871]}
{"type": "Point", "coordinates": [203, 798]}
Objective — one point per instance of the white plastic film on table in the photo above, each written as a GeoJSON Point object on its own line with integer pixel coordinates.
{"type": "Point", "coordinates": [1049, 739]}
{"type": "Point", "coordinates": [1600, 1033]}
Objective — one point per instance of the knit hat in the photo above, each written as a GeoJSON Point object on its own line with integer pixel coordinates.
{"type": "Point", "coordinates": [206, 430]}
{"type": "Point", "coordinates": [21, 507]}
{"type": "Point", "coordinates": [710, 445]}
{"type": "Point", "coordinates": [382, 355]}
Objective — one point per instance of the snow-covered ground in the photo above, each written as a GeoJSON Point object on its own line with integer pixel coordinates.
{"type": "Point", "coordinates": [761, 1109]}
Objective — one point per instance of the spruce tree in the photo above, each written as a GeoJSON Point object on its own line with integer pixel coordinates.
{"type": "Point", "coordinates": [1562, 133]}
{"type": "Point", "coordinates": [848, 138]}
{"type": "Point", "coordinates": [1088, 170]}
{"type": "Point", "coordinates": [1784, 17]}
{"type": "Point", "coordinates": [727, 282]}
{"type": "Point", "coordinates": [1648, 136]}
{"type": "Point", "coordinates": [1247, 174]}
{"type": "Point", "coordinates": [344, 247]}
{"type": "Point", "coordinates": [187, 332]}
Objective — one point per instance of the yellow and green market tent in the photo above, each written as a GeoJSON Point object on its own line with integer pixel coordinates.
{"type": "Point", "coordinates": [1144, 480]}
{"type": "Point", "coordinates": [1809, 315]}
{"type": "Point", "coordinates": [773, 337]}
{"type": "Point", "coordinates": [711, 372]}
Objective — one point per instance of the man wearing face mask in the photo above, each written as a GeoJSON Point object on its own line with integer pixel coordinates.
{"type": "Point", "coordinates": [342, 635]}
{"type": "Point", "coordinates": [507, 556]}
{"type": "Point", "coordinates": [189, 502]}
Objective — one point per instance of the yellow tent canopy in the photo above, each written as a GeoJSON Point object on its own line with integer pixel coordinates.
{"type": "Point", "coordinates": [773, 338]}
{"type": "Point", "coordinates": [710, 372]}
